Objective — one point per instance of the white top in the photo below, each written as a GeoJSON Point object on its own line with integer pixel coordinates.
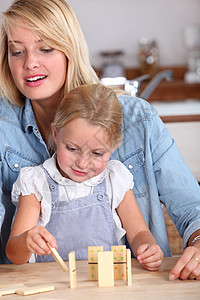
{"type": "Point", "coordinates": [32, 180]}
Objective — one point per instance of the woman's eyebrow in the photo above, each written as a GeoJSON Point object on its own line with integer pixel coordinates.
{"type": "Point", "coordinates": [14, 42]}
{"type": "Point", "coordinates": [19, 42]}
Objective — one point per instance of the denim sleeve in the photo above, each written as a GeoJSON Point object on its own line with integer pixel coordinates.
{"type": "Point", "coordinates": [2, 211]}
{"type": "Point", "coordinates": [178, 189]}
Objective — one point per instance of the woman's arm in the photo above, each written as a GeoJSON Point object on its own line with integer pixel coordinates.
{"type": "Point", "coordinates": [26, 237]}
{"type": "Point", "coordinates": [140, 239]}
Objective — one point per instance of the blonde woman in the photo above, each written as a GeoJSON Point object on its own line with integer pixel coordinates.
{"type": "Point", "coordinates": [43, 55]}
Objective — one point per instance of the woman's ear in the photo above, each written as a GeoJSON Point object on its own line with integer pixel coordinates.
{"type": "Point", "coordinates": [54, 133]}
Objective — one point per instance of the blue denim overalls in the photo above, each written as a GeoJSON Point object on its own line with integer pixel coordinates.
{"type": "Point", "coordinates": [82, 222]}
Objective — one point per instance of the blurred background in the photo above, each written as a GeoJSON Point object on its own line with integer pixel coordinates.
{"type": "Point", "coordinates": [111, 25]}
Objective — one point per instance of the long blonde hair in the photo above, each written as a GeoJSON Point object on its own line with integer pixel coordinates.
{"type": "Point", "coordinates": [55, 22]}
{"type": "Point", "coordinates": [95, 103]}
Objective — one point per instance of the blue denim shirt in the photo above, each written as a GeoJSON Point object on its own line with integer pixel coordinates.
{"type": "Point", "coordinates": [148, 151]}
{"type": "Point", "coordinates": [21, 145]}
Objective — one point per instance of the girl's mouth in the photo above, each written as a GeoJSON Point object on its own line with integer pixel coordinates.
{"type": "Point", "coordinates": [79, 173]}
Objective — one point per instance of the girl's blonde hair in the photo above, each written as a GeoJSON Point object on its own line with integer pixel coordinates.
{"type": "Point", "coordinates": [55, 22]}
{"type": "Point", "coordinates": [95, 103]}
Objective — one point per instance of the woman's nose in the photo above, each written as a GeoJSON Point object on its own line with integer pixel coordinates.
{"type": "Point", "coordinates": [31, 61]}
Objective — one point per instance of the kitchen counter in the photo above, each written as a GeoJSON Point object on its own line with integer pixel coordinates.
{"type": "Point", "coordinates": [145, 284]}
{"type": "Point", "coordinates": [178, 111]}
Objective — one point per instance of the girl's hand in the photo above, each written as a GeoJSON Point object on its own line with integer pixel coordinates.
{"type": "Point", "coordinates": [188, 266]}
{"type": "Point", "coordinates": [150, 256]}
{"type": "Point", "coordinates": [37, 238]}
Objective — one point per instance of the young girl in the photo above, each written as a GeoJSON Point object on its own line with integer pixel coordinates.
{"type": "Point", "coordinates": [78, 198]}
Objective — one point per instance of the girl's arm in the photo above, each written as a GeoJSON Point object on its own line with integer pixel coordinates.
{"type": "Point", "coordinates": [140, 239]}
{"type": "Point", "coordinates": [26, 236]}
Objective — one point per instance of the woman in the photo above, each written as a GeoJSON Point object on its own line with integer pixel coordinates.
{"type": "Point", "coordinates": [43, 56]}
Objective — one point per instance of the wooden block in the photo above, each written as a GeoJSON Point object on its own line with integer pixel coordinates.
{"type": "Point", "coordinates": [58, 258]}
{"type": "Point", "coordinates": [93, 261]}
{"type": "Point", "coordinates": [72, 269]}
{"type": "Point", "coordinates": [119, 253]}
{"type": "Point", "coordinates": [128, 267]}
{"type": "Point", "coordinates": [105, 269]}
{"type": "Point", "coordinates": [34, 290]}
{"type": "Point", "coordinates": [93, 271]}
{"type": "Point", "coordinates": [93, 253]}
{"type": "Point", "coordinates": [10, 289]}
{"type": "Point", "coordinates": [119, 259]}
{"type": "Point", "coordinates": [119, 271]}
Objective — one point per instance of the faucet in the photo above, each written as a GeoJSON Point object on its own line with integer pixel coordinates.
{"type": "Point", "coordinates": [133, 86]}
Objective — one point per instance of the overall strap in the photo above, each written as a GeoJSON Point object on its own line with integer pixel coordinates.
{"type": "Point", "coordinates": [100, 187]}
{"type": "Point", "coordinates": [53, 185]}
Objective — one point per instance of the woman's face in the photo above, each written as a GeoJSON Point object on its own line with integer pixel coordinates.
{"type": "Point", "coordinates": [39, 71]}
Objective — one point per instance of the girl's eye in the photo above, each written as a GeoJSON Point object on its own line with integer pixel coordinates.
{"type": "Point", "coordinates": [72, 149]}
{"type": "Point", "coordinates": [98, 154]}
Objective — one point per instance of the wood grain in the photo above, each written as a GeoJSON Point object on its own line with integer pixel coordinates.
{"type": "Point", "coordinates": [145, 284]}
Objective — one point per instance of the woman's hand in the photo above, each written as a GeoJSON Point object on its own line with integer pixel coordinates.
{"type": "Point", "coordinates": [150, 256]}
{"type": "Point", "coordinates": [188, 266]}
{"type": "Point", "coordinates": [37, 238]}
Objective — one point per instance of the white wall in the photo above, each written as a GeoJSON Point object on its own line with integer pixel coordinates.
{"type": "Point", "coordinates": [118, 24]}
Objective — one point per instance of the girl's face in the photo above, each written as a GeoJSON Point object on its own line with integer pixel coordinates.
{"type": "Point", "coordinates": [83, 150]}
{"type": "Point", "coordinates": [39, 71]}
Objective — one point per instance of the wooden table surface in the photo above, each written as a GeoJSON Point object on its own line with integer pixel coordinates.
{"type": "Point", "coordinates": [145, 284]}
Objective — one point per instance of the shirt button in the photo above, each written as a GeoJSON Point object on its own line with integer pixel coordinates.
{"type": "Point", "coordinates": [100, 197]}
{"type": "Point", "coordinates": [52, 187]}
{"type": "Point", "coordinates": [36, 130]}
{"type": "Point", "coordinates": [16, 166]}
{"type": "Point", "coordinates": [130, 167]}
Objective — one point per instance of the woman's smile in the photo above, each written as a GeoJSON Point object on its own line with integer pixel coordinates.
{"type": "Point", "coordinates": [35, 80]}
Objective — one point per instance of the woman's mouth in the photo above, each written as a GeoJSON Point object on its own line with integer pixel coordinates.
{"type": "Point", "coordinates": [36, 80]}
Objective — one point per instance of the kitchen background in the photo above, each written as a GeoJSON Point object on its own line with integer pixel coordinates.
{"type": "Point", "coordinates": [118, 25]}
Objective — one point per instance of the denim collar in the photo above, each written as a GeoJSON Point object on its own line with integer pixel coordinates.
{"type": "Point", "coordinates": [28, 118]}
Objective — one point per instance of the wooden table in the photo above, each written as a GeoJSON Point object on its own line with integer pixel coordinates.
{"type": "Point", "coordinates": [145, 284]}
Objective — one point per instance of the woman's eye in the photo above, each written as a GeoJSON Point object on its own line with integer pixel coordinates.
{"type": "Point", "coordinates": [47, 50]}
{"type": "Point", "coordinates": [16, 53]}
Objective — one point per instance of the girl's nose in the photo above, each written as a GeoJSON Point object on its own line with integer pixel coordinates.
{"type": "Point", "coordinates": [82, 161]}
{"type": "Point", "coordinates": [31, 61]}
